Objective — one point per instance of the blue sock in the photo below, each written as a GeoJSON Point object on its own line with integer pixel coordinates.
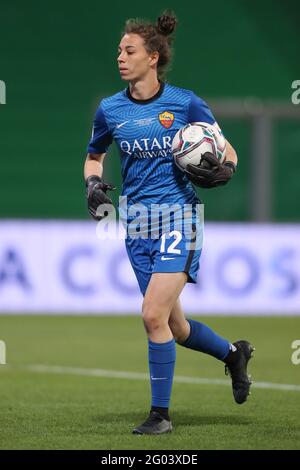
{"type": "Point", "coordinates": [203, 339]}
{"type": "Point", "coordinates": [161, 365]}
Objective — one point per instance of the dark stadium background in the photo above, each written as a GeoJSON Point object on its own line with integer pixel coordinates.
{"type": "Point", "coordinates": [58, 59]}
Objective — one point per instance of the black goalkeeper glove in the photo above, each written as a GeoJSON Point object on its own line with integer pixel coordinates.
{"type": "Point", "coordinates": [210, 172]}
{"type": "Point", "coordinates": [96, 195]}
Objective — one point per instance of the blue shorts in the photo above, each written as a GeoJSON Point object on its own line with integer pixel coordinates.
{"type": "Point", "coordinates": [171, 252]}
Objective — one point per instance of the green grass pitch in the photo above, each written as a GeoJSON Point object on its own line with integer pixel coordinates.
{"type": "Point", "coordinates": [64, 410]}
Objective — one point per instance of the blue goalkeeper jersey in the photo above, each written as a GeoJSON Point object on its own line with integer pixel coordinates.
{"type": "Point", "coordinates": [143, 131]}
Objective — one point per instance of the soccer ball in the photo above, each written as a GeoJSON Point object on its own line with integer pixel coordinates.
{"type": "Point", "coordinates": [193, 140]}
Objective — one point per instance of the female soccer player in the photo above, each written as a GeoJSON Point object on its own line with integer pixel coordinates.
{"type": "Point", "coordinates": [143, 120]}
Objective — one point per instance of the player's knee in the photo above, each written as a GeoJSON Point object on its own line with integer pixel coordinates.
{"type": "Point", "coordinates": [152, 322]}
{"type": "Point", "coordinates": [153, 317]}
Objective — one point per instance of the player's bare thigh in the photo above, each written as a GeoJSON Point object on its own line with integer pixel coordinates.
{"type": "Point", "coordinates": [160, 298]}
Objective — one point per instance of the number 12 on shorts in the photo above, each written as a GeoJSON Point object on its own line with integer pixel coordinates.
{"type": "Point", "coordinates": [171, 249]}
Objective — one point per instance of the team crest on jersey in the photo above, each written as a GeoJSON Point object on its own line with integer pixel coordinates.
{"type": "Point", "coordinates": [166, 119]}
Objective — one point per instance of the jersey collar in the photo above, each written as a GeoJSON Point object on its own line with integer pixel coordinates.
{"type": "Point", "coordinates": [149, 100]}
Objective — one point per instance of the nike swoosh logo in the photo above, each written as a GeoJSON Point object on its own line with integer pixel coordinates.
{"type": "Point", "coordinates": [165, 258]}
{"type": "Point", "coordinates": [122, 124]}
{"type": "Point", "coordinates": [159, 378]}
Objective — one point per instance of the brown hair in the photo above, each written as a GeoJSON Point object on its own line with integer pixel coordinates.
{"type": "Point", "coordinates": [157, 37]}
